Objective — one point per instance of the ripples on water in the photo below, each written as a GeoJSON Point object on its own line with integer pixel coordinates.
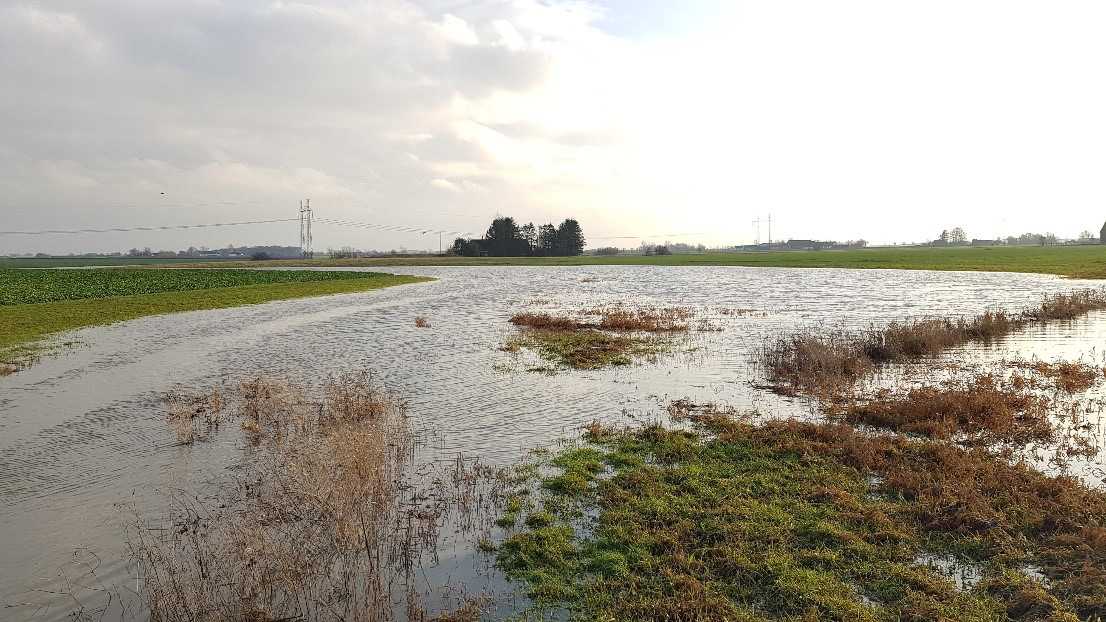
{"type": "Point", "coordinates": [82, 437]}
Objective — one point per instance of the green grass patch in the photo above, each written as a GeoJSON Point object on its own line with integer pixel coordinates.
{"type": "Point", "coordinates": [25, 328]}
{"type": "Point", "coordinates": [1073, 261]}
{"type": "Point", "coordinates": [80, 262]}
{"type": "Point", "coordinates": [586, 349]}
{"type": "Point", "coordinates": [37, 286]}
{"type": "Point", "coordinates": [792, 521]}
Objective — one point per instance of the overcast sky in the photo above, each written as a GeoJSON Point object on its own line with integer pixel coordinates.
{"type": "Point", "coordinates": [877, 119]}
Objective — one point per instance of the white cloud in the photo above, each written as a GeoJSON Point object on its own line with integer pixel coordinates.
{"type": "Point", "coordinates": [457, 30]}
{"type": "Point", "coordinates": [853, 119]}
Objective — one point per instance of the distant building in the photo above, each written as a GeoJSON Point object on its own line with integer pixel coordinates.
{"type": "Point", "coordinates": [1102, 234]}
{"type": "Point", "coordinates": [809, 245]}
{"type": "Point", "coordinates": [978, 242]}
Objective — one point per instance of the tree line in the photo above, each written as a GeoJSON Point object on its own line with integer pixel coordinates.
{"type": "Point", "coordinates": [505, 238]}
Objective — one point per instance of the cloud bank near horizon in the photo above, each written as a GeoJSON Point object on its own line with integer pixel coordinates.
{"type": "Point", "coordinates": [853, 120]}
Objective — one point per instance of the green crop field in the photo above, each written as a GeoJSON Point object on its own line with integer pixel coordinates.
{"type": "Point", "coordinates": [1087, 262]}
{"type": "Point", "coordinates": [36, 286]}
{"type": "Point", "coordinates": [81, 262]}
{"type": "Point", "coordinates": [36, 305]}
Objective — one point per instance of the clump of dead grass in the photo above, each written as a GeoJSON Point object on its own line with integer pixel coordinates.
{"type": "Point", "coordinates": [324, 522]}
{"type": "Point", "coordinates": [618, 335]}
{"type": "Point", "coordinates": [1069, 377]}
{"type": "Point", "coordinates": [195, 417]}
{"type": "Point", "coordinates": [617, 319]}
{"type": "Point", "coordinates": [545, 321]}
{"type": "Point", "coordinates": [7, 369]}
{"type": "Point", "coordinates": [983, 410]}
{"type": "Point", "coordinates": [422, 322]}
{"type": "Point", "coordinates": [1068, 306]}
{"type": "Point", "coordinates": [819, 357]}
{"type": "Point", "coordinates": [655, 320]}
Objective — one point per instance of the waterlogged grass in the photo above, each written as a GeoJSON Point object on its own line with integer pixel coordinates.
{"type": "Point", "coordinates": [25, 329]}
{"type": "Point", "coordinates": [586, 349]}
{"type": "Point", "coordinates": [616, 338]}
{"type": "Point", "coordinates": [817, 358]}
{"type": "Point", "coordinates": [735, 521]}
{"type": "Point", "coordinates": [1087, 262]}
{"type": "Point", "coordinates": [37, 286]}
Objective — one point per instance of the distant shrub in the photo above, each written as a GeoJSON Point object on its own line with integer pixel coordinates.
{"type": "Point", "coordinates": [260, 256]}
{"type": "Point", "coordinates": [606, 250]}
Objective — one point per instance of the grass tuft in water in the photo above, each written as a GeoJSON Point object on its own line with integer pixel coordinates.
{"type": "Point", "coordinates": [818, 359]}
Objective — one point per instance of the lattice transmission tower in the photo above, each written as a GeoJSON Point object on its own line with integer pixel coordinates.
{"type": "Point", "coordinates": [305, 229]}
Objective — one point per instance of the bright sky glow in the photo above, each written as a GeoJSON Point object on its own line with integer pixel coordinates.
{"type": "Point", "coordinates": [888, 121]}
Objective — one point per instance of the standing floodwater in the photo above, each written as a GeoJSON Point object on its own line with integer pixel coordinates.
{"type": "Point", "coordinates": [84, 444]}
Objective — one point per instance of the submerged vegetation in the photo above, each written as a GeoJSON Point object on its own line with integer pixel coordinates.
{"type": "Point", "coordinates": [789, 520]}
{"type": "Point", "coordinates": [326, 520]}
{"type": "Point", "coordinates": [815, 358]}
{"type": "Point", "coordinates": [986, 409]}
{"type": "Point", "coordinates": [615, 338]}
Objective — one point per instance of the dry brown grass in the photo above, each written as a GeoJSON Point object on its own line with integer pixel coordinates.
{"type": "Point", "coordinates": [818, 357]}
{"type": "Point", "coordinates": [660, 320]}
{"type": "Point", "coordinates": [613, 339]}
{"type": "Point", "coordinates": [1069, 377]}
{"type": "Point", "coordinates": [325, 523]}
{"type": "Point", "coordinates": [545, 321]}
{"type": "Point", "coordinates": [6, 369]}
{"type": "Point", "coordinates": [980, 411]}
{"type": "Point", "coordinates": [195, 417]}
{"type": "Point", "coordinates": [422, 322]}
{"type": "Point", "coordinates": [1068, 306]}
{"type": "Point", "coordinates": [815, 358]}
{"type": "Point", "coordinates": [1011, 511]}
{"type": "Point", "coordinates": [618, 319]}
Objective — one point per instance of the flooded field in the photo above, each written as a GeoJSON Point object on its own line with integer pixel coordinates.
{"type": "Point", "coordinates": [84, 445]}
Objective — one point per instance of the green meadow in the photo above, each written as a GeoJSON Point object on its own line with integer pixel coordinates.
{"type": "Point", "coordinates": [37, 304]}
{"type": "Point", "coordinates": [1085, 262]}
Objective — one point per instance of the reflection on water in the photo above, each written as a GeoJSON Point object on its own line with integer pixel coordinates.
{"type": "Point", "coordinates": [83, 443]}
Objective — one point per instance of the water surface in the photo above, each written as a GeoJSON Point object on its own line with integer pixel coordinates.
{"type": "Point", "coordinates": [84, 445]}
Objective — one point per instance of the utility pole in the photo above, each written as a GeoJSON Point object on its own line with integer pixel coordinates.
{"type": "Point", "coordinates": [769, 231]}
{"type": "Point", "coordinates": [756, 223]}
{"type": "Point", "coordinates": [305, 229]}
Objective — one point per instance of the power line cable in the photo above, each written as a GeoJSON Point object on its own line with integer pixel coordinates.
{"type": "Point", "coordinates": [638, 237]}
{"type": "Point", "coordinates": [396, 228]}
{"type": "Point", "coordinates": [130, 205]}
{"type": "Point", "coordinates": [160, 228]}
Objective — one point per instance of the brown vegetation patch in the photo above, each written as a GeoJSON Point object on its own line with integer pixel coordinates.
{"type": "Point", "coordinates": [7, 369]}
{"type": "Point", "coordinates": [815, 357]}
{"type": "Point", "coordinates": [1070, 377]}
{"type": "Point", "coordinates": [613, 339]}
{"type": "Point", "coordinates": [664, 320]}
{"type": "Point", "coordinates": [324, 522]}
{"type": "Point", "coordinates": [1008, 511]}
{"type": "Point", "coordinates": [981, 411]}
{"type": "Point", "coordinates": [644, 320]}
{"type": "Point", "coordinates": [725, 519]}
{"type": "Point", "coordinates": [1068, 306]}
{"type": "Point", "coordinates": [545, 321]}
{"type": "Point", "coordinates": [422, 322]}
{"type": "Point", "coordinates": [195, 417]}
